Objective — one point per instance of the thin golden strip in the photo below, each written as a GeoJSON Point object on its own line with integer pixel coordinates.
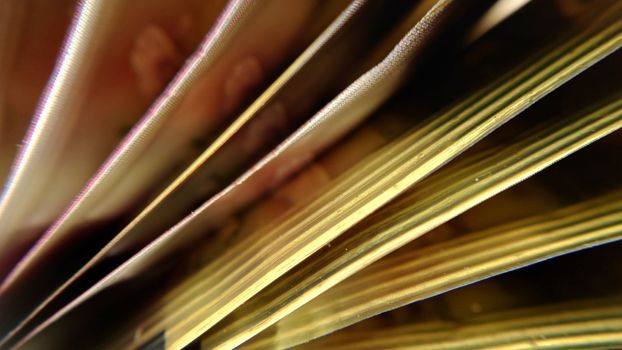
{"type": "Point", "coordinates": [398, 228]}
{"type": "Point", "coordinates": [576, 325]}
{"type": "Point", "coordinates": [467, 133]}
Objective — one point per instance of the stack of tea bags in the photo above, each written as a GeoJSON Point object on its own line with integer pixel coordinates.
{"type": "Point", "coordinates": [348, 174]}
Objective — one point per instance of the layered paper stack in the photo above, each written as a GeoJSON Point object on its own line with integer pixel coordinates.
{"type": "Point", "coordinates": [348, 174]}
